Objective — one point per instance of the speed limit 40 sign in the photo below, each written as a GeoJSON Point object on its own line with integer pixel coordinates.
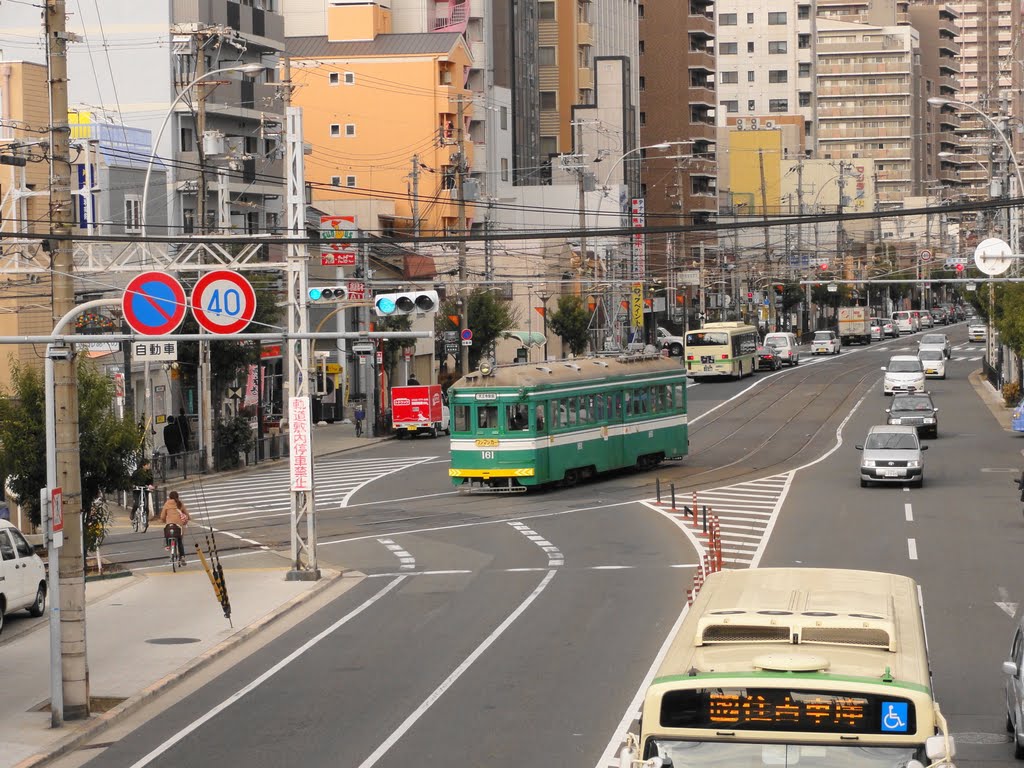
{"type": "Point", "coordinates": [223, 302]}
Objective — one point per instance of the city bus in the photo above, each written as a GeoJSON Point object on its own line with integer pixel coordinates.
{"type": "Point", "coordinates": [559, 422]}
{"type": "Point", "coordinates": [722, 349]}
{"type": "Point", "coordinates": [807, 667]}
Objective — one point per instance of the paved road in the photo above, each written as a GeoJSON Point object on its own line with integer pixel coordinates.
{"type": "Point", "coordinates": [513, 631]}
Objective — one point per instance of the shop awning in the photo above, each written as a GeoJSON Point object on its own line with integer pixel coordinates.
{"type": "Point", "coordinates": [528, 338]}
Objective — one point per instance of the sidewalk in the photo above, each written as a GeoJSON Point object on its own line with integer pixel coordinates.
{"type": "Point", "coordinates": [139, 645]}
{"type": "Point", "coordinates": [994, 400]}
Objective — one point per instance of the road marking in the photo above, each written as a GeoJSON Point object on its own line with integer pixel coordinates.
{"type": "Point", "coordinates": [407, 561]}
{"type": "Point", "coordinates": [422, 709]}
{"type": "Point", "coordinates": [196, 724]}
{"type": "Point", "coordinates": [1004, 604]}
{"type": "Point", "coordinates": [912, 548]}
{"type": "Point", "coordinates": [909, 512]}
{"type": "Point", "coordinates": [555, 557]}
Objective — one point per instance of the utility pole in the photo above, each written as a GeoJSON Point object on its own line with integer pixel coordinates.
{"type": "Point", "coordinates": [767, 241]}
{"type": "Point", "coordinates": [73, 656]}
{"type": "Point", "coordinates": [201, 127]}
{"type": "Point", "coordinates": [703, 301]}
{"type": "Point", "coordinates": [416, 196]}
{"type": "Point", "coordinates": [460, 172]}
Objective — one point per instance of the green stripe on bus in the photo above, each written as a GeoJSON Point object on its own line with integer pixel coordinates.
{"type": "Point", "coordinates": [789, 676]}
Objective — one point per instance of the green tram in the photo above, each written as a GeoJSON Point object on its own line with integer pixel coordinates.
{"type": "Point", "coordinates": [530, 425]}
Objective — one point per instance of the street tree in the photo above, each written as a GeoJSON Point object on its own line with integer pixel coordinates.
{"type": "Point", "coordinates": [571, 321]}
{"type": "Point", "coordinates": [1009, 315]}
{"type": "Point", "coordinates": [110, 447]}
{"type": "Point", "coordinates": [490, 317]}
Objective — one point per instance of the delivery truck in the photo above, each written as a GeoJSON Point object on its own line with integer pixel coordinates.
{"type": "Point", "coordinates": [419, 410]}
{"type": "Point", "coordinates": [854, 325]}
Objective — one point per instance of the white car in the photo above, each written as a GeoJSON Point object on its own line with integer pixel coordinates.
{"type": "Point", "coordinates": [939, 341]}
{"type": "Point", "coordinates": [934, 363]}
{"type": "Point", "coordinates": [903, 374]}
{"type": "Point", "coordinates": [22, 574]}
{"type": "Point", "coordinates": [674, 344]}
{"type": "Point", "coordinates": [977, 330]}
{"type": "Point", "coordinates": [786, 345]}
{"type": "Point", "coordinates": [824, 343]}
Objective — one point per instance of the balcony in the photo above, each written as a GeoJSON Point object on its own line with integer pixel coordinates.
{"type": "Point", "coordinates": [585, 78]}
{"type": "Point", "coordinates": [584, 33]}
{"type": "Point", "coordinates": [451, 16]}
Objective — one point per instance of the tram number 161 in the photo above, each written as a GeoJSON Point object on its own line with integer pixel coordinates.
{"type": "Point", "coordinates": [486, 454]}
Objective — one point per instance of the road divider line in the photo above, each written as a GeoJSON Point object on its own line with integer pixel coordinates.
{"type": "Point", "coordinates": [908, 510]}
{"type": "Point", "coordinates": [912, 548]}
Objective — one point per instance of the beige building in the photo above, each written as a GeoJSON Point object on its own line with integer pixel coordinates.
{"type": "Point", "coordinates": [25, 301]}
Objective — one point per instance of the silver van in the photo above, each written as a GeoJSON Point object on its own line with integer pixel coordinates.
{"type": "Point", "coordinates": [905, 322]}
{"type": "Point", "coordinates": [786, 345]}
{"type": "Point", "coordinates": [892, 454]}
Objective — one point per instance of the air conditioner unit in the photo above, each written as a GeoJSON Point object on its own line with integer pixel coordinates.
{"type": "Point", "coordinates": [769, 125]}
{"type": "Point", "coordinates": [741, 124]}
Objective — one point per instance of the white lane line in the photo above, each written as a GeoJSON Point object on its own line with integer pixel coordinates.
{"type": "Point", "coordinates": [421, 710]}
{"type": "Point", "coordinates": [454, 572]}
{"type": "Point", "coordinates": [909, 512]}
{"type": "Point", "coordinates": [555, 556]}
{"type": "Point", "coordinates": [408, 562]}
{"type": "Point", "coordinates": [196, 724]}
{"type": "Point", "coordinates": [912, 548]}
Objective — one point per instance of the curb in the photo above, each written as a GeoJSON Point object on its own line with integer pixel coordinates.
{"type": "Point", "coordinates": [992, 400]}
{"type": "Point", "coordinates": [95, 726]}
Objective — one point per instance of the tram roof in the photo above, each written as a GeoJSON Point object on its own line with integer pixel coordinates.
{"type": "Point", "coordinates": [586, 370]}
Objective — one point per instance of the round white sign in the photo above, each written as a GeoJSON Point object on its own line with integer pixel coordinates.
{"type": "Point", "coordinates": [993, 256]}
{"type": "Point", "coordinates": [223, 301]}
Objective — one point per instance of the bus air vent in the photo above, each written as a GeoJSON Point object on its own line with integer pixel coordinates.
{"type": "Point", "coordinates": [738, 633]}
{"type": "Point", "coordinates": [870, 637]}
{"type": "Point", "coordinates": [791, 662]}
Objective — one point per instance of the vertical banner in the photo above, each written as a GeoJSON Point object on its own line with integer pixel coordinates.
{"type": "Point", "coordinates": [334, 232]}
{"type": "Point", "coordinates": [636, 313]}
{"type": "Point", "coordinates": [301, 458]}
{"type": "Point", "coordinates": [638, 220]}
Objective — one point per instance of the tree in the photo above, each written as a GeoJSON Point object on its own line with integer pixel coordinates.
{"type": "Point", "coordinates": [110, 448]}
{"type": "Point", "coordinates": [393, 347]}
{"type": "Point", "coordinates": [571, 321]}
{"type": "Point", "coordinates": [490, 317]}
{"type": "Point", "coordinates": [1009, 319]}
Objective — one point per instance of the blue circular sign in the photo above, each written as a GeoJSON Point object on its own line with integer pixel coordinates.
{"type": "Point", "coordinates": [467, 334]}
{"type": "Point", "coordinates": [154, 303]}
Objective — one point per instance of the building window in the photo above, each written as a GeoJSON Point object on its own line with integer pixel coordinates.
{"type": "Point", "coordinates": [751, 105]}
{"type": "Point", "coordinates": [350, 129]}
{"type": "Point", "coordinates": [188, 139]}
{"type": "Point", "coordinates": [350, 78]}
{"type": "Point", "coordinates": [503, 112]}
{"type": "Point", "coordinates": [750, 46]}
{"type": "Point", "coordinates": [777, 46]}
{"type": "Point", "coordinates": [750, 75]}
{"type": "Point", "coordinates": [350, 181]}
{"type": "Point", "coordinates": [641, 49]}
{"type": "Point", "coordinates": [750, 18]}
{"type": "Point", "coordinates": [777, 17]}
{"type": "Point", "coordinates": [548, 146]}
{"type": "Point", "coordinates": [252, 223]}
{"type": "Point", "coordinates": [272, 223]}
{"type": "Point", "coordinates": [805, 99]}
{"type": "Point", "coordinates": [778, 105]}
{"type": "Point", "coordinates": [727, 49]}
{"type": "Point", "coordinates": [335, 181]}
{"type": "Point", "coordinates": [335, 130]}
{"type": "Point", "coordinates": [546, 56]}
{"type": "Point", "coordinates": [545, 9]}
{"type": "Point", "coordinates": [548, 100]}
{"type": "Point", "coordinates": [188, 220]}
{"type": "Point", "coordinates": [730, 106]}
{"type": "Point", "coordinates": [643, 118]}
{"type": "Point", "coordinates": [803, 41]}
{"type": "Point", "coordinates": [804, 69]}
{"type": "Point", "coordinates": [778, 76]}
{"type": "Point", "coordinates": [803, 12]}
{"type": "Point", "coordinates": [730, 78]}
{"type": "Point", "coordinates": [643, 83]}
{"type": "Point", "coordinates": [640, 11]}
{"type": "Point", "coordinates": [132, 213]}
{"type": "Point", "coordinates": [504, 169]}
{"type": "Point", "coordinates": [727, 19]}
{"type": "Point", "coordinates": [334, 78]}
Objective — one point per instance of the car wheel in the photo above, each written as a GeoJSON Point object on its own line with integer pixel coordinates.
{"type": "Point", "coordinates": [39, 606]}
{"type": "Point", "coordinates": [864, 483]}
{"type": "Point", "coordinates": [919, 483]}
{"type": "Point", "coordinates": [1018, 750]}
{"type": "Point", "coordinates": [676, 350]}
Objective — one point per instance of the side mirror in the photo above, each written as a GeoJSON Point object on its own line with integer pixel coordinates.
{"type": "Point", "coordinates": [1010, 668]}
{"type": "Point", "coordinates": [859, 447]}
{"type": "Point", "coordinates": [888, 410]}
{"type": "Point", "coordinates": [924, 447]}
{"type": "Point", "coordinates": [883, 367]}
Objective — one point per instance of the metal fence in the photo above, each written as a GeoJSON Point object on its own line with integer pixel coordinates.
{"type": "Point", "coordinates": [169, 468]}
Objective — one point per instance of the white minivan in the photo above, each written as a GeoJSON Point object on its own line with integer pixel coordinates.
{"type": "Point", "coordinates": [786, 345]}
{"type": "Point", "coordinates": [904, 373]}
{"type": "Point", "coordinates": [905, 322]}
{"type": "Point", "coordinates": [22, 574]}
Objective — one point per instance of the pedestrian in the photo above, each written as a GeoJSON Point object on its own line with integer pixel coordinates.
{"type": "Point", "coordinates": [413, 381]}
{"type": "Point", "coordinates": [172, 440]}
{"type": "Point", "coordinates": [175, 517]}
{"type": "Point", "coordinates": [185, 428]}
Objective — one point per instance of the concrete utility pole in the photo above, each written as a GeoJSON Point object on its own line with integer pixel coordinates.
{"type": "Point", "coordinates": [74, 660]}
{"type": "Point", "coordinates": [416, 196]}
{"type": "Point", "coordinates": [582, 189]}
{"type": "Point", "coordinates": [767, 240]}
{"type": "Point", "coordinates": [703, 302]}
{"type": "Point", "coordinates": [460, 172]}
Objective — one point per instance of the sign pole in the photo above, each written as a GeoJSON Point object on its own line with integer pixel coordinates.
{"type": "Point", "coordinates": [53, 555]}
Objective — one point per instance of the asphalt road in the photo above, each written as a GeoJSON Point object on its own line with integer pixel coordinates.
{"type": "Point", "coordinates": [510, 631]}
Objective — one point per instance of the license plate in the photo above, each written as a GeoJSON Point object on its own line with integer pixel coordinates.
{"type": "Point", "coordinates": [893, 473]}
{"type": "Point", "coordinates": [931, 370]}
{"type": "Point", "coordinates": [823, 349]}
{"type": "Point", "coordinates": [709, 367]}
{"type": "Point", "coordinates": [412, 429]}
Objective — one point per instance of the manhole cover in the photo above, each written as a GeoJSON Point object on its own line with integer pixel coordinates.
{"type": "Point", "coordinates": [972, 737]}
{"type": "Point", "coordinates": [173, 640]}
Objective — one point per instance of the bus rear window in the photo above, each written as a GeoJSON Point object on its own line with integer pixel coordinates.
{"type": "Point", "coordinates": [707, 339]}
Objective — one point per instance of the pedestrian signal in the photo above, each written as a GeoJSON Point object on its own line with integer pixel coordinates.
{"type": "Point", "coordinates": [406, 303]}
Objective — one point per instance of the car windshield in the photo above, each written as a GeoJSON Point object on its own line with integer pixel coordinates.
{"type": "Point", "coordinates": [931, 354]}
{"type": "Point", "coordinates": [823, 336]}
{"type": "Point", "coordinates": [912, 403]}
{"type": "Point", "coordinates": [933, 338]}
{"type": "Point", "coordinates": [904, 366]}
{"type": "Point", "coordinates": [891, 441]}
{"type": "Point", "coordinates": [753, 755]}
{"type": "Point", "coordinates": [707, 339]}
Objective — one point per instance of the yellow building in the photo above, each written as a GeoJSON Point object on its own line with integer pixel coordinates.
{"type": "Point", "coordinates": [25, 299]}
{"type": "Point", "coordinates": [380, 111]}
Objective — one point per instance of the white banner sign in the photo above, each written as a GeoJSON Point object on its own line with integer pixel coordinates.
{"type": "Point", "coordinates": [301, 450]}
{"type": "Point", "coordinates": [155, 351]}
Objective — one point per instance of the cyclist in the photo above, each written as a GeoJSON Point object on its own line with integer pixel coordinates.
{"type": "Point", "coordinates": [360, 415]}
{"type": "Point", "coordinates": [175, 517]}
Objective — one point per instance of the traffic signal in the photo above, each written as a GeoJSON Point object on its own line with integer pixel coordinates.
{"type": "Point", "coordinates": [21, 162]}
{"type": "Point", "coordinates": [778, 289]}
{"type": "Point", "coordinates": [330, 295]}
{"type": "Point", "coordinates": [394, 304]}
{"type": "Point", "coordinates": [823, 266]}
{"type": "Point", "coordinates": [750, 295]}
{"type": "Point", "coordinates": [960, 268]}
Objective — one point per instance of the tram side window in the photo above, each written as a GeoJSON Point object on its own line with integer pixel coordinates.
{"type": "Point", "coordinates": [539, 412]}
{"type": "Point", "coordinates": [680, 398]}
{"type": "Point", "coordinates": [615, 406]}
{"type": "Point", "coordinates": [462, 421]}
{"type": "Point", "coordinates": [561, 413]}
{"type": "Point", "coordinates": [573, 407]}
{"type": "Point", "coordinates": [487, 417]}
{"type": "Point", "coordinates": [599, 407]}
{"type": "Point", "coordinates": [516, 418]}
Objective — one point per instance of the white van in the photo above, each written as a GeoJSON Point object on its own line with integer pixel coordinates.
{"type": "Point", "coordinates": [22, 574]}
{"type": "Point", "coordinates": [786, 345]}
{"type": "Point", "coordinates": [904, 373]}
{"type": "Point", "coordinates": [905, 322]}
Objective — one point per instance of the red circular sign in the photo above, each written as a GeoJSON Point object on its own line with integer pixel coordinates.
{"type": "Point", "coordinates": [153, 304]}
{"type": "Point", "coordinates": [223, 302]}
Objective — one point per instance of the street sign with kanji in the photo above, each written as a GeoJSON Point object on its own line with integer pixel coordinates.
{"type": "Point", "coordinates": [153, 303]}
{"type": "Point", "coordinates": [57, 516]}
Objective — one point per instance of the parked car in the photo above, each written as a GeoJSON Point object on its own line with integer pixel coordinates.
{"type": "Point", "coordinates": [768, 358]}
{"type": "Point", "coordinates": [22, 574]}
{"type": "Point", "coordinates": [977, 330]}
{"type": "Point", "coordinates": [825, 343]}
{"type": "Point", "coordinates": [939, 341]}
{"type": "Point", "coordinates": [786, 344]}
{"type": "Point", "coordinates": [903, 374]}
{"type": "Point", "coordinates": [934, 363]}
{"type": "Point", "coordinates": [674, 344]}
{"type": "Point", "coordinates": [917, 411]}
{"type": "Point", "coordinates": [892, 454]}
{"type": "Point", "coordinates": [882, 328]}
{"type": "Point", "coordinates": [905, 321]}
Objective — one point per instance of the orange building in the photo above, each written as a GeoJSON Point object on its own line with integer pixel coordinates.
{"type": "Point", "coordinates": [380, 111]}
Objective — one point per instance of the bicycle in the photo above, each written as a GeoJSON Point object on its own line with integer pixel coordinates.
{"type": "Point", "coordinates": [142, 501]}
{"type": "Point", "coordinates": [360, 415]}
{"type": "Point", "coordinates": [172, 535]}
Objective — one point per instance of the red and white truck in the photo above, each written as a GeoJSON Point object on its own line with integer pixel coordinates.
{"type": "Point", "coordinates": [854, 325]}
{"type": "Point", "coordinates": [417, 410]}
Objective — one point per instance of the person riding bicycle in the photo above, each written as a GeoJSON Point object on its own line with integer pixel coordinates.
{"type": "Point", "coordinates": [175, 517]}
{"type": "Point", "coordinates": [360, 415]}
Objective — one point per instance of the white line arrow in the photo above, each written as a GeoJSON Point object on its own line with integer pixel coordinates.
{"type": "Point", "coordinates": [1004, 604]}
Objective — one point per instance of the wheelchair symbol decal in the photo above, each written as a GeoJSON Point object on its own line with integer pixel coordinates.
{"type": "Point", "coordinates": [894, 717]}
